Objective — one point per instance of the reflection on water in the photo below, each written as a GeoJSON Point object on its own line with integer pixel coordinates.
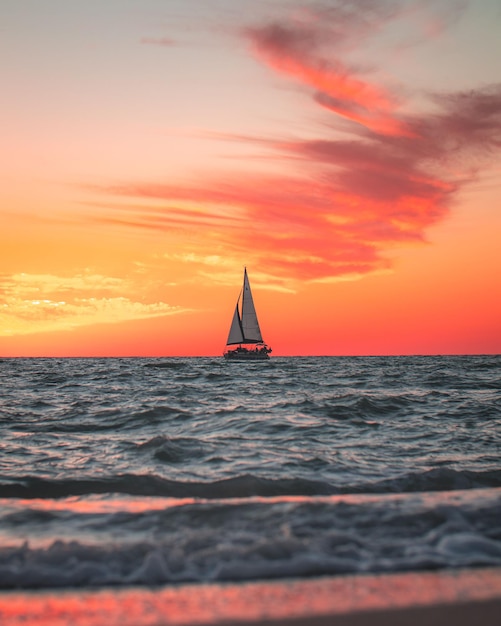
{"type": "Point", "coordinates": [256, 602]}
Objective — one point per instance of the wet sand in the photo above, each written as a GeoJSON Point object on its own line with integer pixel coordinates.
{"type": "Point", "coordinates": [458, 597]}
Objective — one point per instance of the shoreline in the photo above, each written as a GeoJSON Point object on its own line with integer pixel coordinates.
{"type": "Point", "coordinates": [460, 596]}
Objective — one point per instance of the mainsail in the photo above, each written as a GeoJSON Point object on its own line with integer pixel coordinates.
{"type": "Point", "coordinates": [245, 326]}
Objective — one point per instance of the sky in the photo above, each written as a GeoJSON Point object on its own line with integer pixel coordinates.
{"type": "Point", "coordinates": [347, 152]}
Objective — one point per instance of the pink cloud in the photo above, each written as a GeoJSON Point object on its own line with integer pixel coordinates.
{"type": "Point", "coordinates": [293, 51]}
{"type": "Point", "coordinates": [346, 200]}
{"type": "Point", "coordinates": [360, 196]}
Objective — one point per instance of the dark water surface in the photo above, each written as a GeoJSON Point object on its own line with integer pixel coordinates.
{"type": "Point", "coordinates": [150, 471]}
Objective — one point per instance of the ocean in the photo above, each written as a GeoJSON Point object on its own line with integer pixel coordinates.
{"type": "Point", "coordinates": [125, 472]}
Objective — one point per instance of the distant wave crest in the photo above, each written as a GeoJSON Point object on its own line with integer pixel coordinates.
{"type": "Point", "coordinates": [437, 479]}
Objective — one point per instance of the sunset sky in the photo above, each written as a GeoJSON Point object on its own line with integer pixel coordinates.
{"type": "Point", "coordinates": [348, 153]}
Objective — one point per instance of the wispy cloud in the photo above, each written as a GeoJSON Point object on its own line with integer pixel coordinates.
{"type": "Point", "coordinates": [222, 270]}
{"type": "Point", "coordinates": [349, 196]}
{"type": "Point", "coordinates": [32, 303]}
{"type": "Point", "coordinates": [24, 285]}
{"type": "Point", "coordinates": [308, 52]}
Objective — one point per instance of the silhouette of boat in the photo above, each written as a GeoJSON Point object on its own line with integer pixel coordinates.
{"type": "Point", "coordinates": [245, 333]}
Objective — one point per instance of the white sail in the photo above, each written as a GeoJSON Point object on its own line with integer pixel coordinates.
{"type": "Point", "coordinates": [244, 326]}
{"type": "Point", "coordinates": [250, 325]}
{"type": "Point", "coordinates": [235, 335]}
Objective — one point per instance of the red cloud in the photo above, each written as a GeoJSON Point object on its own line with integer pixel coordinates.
{"type": "Point", "coordinates": [361, 195]}
{"type": "Point", "coordinates": [339, 88]}
{"type": "Point", "coordinates": [345, 200]}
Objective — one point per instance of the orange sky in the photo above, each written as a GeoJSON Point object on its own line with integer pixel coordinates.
{"type": "Point", "coordinates": [347, 153]}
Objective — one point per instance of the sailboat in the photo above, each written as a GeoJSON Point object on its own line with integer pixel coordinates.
{"type": "Point", "coordinates": [245, 333]}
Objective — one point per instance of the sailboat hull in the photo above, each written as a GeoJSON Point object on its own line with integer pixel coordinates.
{"type": "Point", "coordinates": [246, 355]}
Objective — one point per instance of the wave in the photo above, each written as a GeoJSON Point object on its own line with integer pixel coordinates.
{"type": "Point", "coordinates": [154, 485]}
{"type": "Point", "coordinates": [172, 449]}
{"type": "Point", "coordinates": [169, 365]}
{"type": "Point", "coordinates": [245, 540]}
{"type": "Point", "coordinates": [83, 417]}
{"type": "Point", "coordinates": [243, 486]}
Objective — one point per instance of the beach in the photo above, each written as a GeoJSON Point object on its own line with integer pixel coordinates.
{"type": "Point", "coordinates": [454, 597]}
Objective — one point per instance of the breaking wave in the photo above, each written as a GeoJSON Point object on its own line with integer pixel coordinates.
{"type": "Point", "coordinates": [244, 540]}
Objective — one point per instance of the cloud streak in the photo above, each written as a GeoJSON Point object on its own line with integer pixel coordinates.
{"type": "Point", "coordinates": [384, 180]}
{"type": "Point", "coordinates": [291, 50]}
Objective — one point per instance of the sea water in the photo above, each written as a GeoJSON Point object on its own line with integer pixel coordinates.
{"type": "Point", "coordinates": [163, 471]}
